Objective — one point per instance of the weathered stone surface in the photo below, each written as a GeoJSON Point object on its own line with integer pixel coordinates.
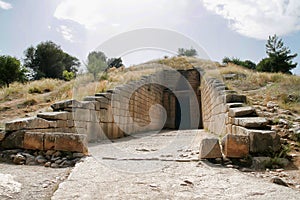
{"type": "Point", "coordinates": [2, 135]}
{"type": "Point", "coordinates": [13, 140]}
{"type": "Point", "coordinates": [235, 146]}
{"type": "Point", "coordinates": [27, 123]}
{"type": "Point", "coordinates": [71, 142]}
{"type": "Point", "coordinates": [34, 141]}
{"type": "Point", "coordinates": [82, 115]}
{"type": "Point", "coordinates": [49, 141]}
{"type": "Point", "coordinates": [233, 105]}
{"type": "Point", "coordinates": [233, 98]}
{"type": "Point", "coordinates": [241, 111]}
{"type": "Point", "coordinates": [55, 115]}
{"type": "Point", "coordinates": [62, 105]}
{"type": "Point", "coordinates": [263, 141]}
{"type": "Point", "coordinates": [251, 122]}
{"type": "Point", "coordinates": [210, 148]}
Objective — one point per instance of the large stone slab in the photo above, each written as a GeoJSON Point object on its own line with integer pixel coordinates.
{"type": "Point", "coordinates": [55, 115]}
{"type": "Point", "coordinates": [27, 123]}
{"type": "Point", "coordinates": [263, 142]}
{"type": "Point", "coordinates": [66, 142]}
{"type": "Point", "coordinates": [34, 141]}
{"type": "Point", "coordinates": [13, 140]}
{"type": "Point", "coordinates": [241, 111]}
{"type": "Point", "coordinates": [251, 122]}
{"type": "Point", "coordinates": [210, 148]}
{"type": "Point", "coordinates": [235, 146]}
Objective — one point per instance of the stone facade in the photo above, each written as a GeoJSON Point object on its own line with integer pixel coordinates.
{"type": "Point", "coordinates": [172, 99]}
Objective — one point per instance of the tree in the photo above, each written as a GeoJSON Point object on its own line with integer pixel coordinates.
{"type": "Point", "coordinates": [96, 63]}
{"type": "Point", "coordinates": [280, 57]}
{"type": "Point", "coordinates": [10, 70]}
{"type": "Point", "coordinates": [48, 60]}
{"type": "Point", "coordinates": [187, 52]}
{"type": "Point", "coordinates": [114, 62]}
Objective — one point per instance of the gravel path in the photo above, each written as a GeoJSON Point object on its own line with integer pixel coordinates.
{"type": "Point", "coordinates": [161, 166]}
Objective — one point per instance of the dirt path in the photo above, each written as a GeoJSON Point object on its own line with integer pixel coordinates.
{"type": "Point", "coordinates": [161, 166]}
{"type": "Point", "coordinates": [29, 182]}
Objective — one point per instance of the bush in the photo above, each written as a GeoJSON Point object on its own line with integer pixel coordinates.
{"type": "Point", "coordinates": [68, 75]}
{"type": "Point", "coordinates": [247, 63]}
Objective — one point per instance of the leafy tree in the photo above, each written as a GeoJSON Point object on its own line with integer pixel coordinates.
{"type": "Point", "coordinates": [114, 62]}
{"type": "Point", "coordinates": [187, 52]}
{"type": "Point", "coordinates": [280, 57]}
{"type": "Point", "coordinates": [48, 60]}
{"type": "Point", "coordinates": [10, 70]}
{"type": "Point", "coordinates": [96, 63]}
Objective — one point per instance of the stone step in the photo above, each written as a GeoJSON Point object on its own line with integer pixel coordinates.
{"type": "Point", "coordinates": [233, 105]}
{"type": "Point", "coordinates": [261, 141]}
{"type": "Point", "coordinates": [46, 141]}
{"type": "Point", "coordinates": [235, 98]}
{"type": "Point", "coordinates": [241, 111]}
{"type": "Point", "coordinates": [251, 122]}
{"type": "Point", "coordinates": [235, 146]}
{"type": "Point", "coordinates": [62, 105]}
{"type": "Point", "coordinates": [27, 124]}
{"type": "Point", "coordinates": [63, 115]}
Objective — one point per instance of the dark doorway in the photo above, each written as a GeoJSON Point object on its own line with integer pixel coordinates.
{"type": "Point", "coordinates": [182, 116]}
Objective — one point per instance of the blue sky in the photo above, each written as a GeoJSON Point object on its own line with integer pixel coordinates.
{"type": "Point", "coordinates": [236, 28]}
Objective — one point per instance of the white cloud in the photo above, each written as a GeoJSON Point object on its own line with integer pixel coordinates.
{"type": "Point", "coordinates": [258, 19]}
{"type": "Point", "coordinates": [5, 6]}
{"type": "Point", "coordinates": [95, 14]}
{"type": "Point", "coordinates": [66, 32]}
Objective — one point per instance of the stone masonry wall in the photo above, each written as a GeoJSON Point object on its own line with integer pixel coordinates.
{"type": "Point", "coordinates": [225, 113]}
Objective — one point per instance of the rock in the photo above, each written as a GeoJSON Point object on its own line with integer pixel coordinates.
{"type": "Point", "coordinates": [282, 121]}
{"type": "Point", "coordinates": [271, 105]}
{"type": "Point", "coordinates": [19, 159]}
{"type": "Point", "coordinates": [40, 159]}
{"type": "Point", "coordinates": [30, 159]}
{"type": "Point", "coordinates": [235, 146]}
{"type": "Point", "coordinates": [279, 181]}
{"type": "Point", "coordinates": [210, 148]}
{"type": "Point", "coordinates": [66, 163]}
{"type": "Point", "coordinates": [56, 154]}
{"type": "Point", "coordinates": [50, 152]}
{"type": "Point", "coordinates": [260, 163]}
{"type": "Point", "coordinates": [47, 164]}
{"type": "Point", "coordinates": [54, 165]}
{"type": "Point", "coordinates": [58, 161]}
{"type": "Point", "coordinates": [78, 155]}
{"type": "Point", "coordinates": [241, 111]}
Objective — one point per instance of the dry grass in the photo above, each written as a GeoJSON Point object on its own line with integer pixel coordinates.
{"type": "Point", "coordinates": [281, 88]}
